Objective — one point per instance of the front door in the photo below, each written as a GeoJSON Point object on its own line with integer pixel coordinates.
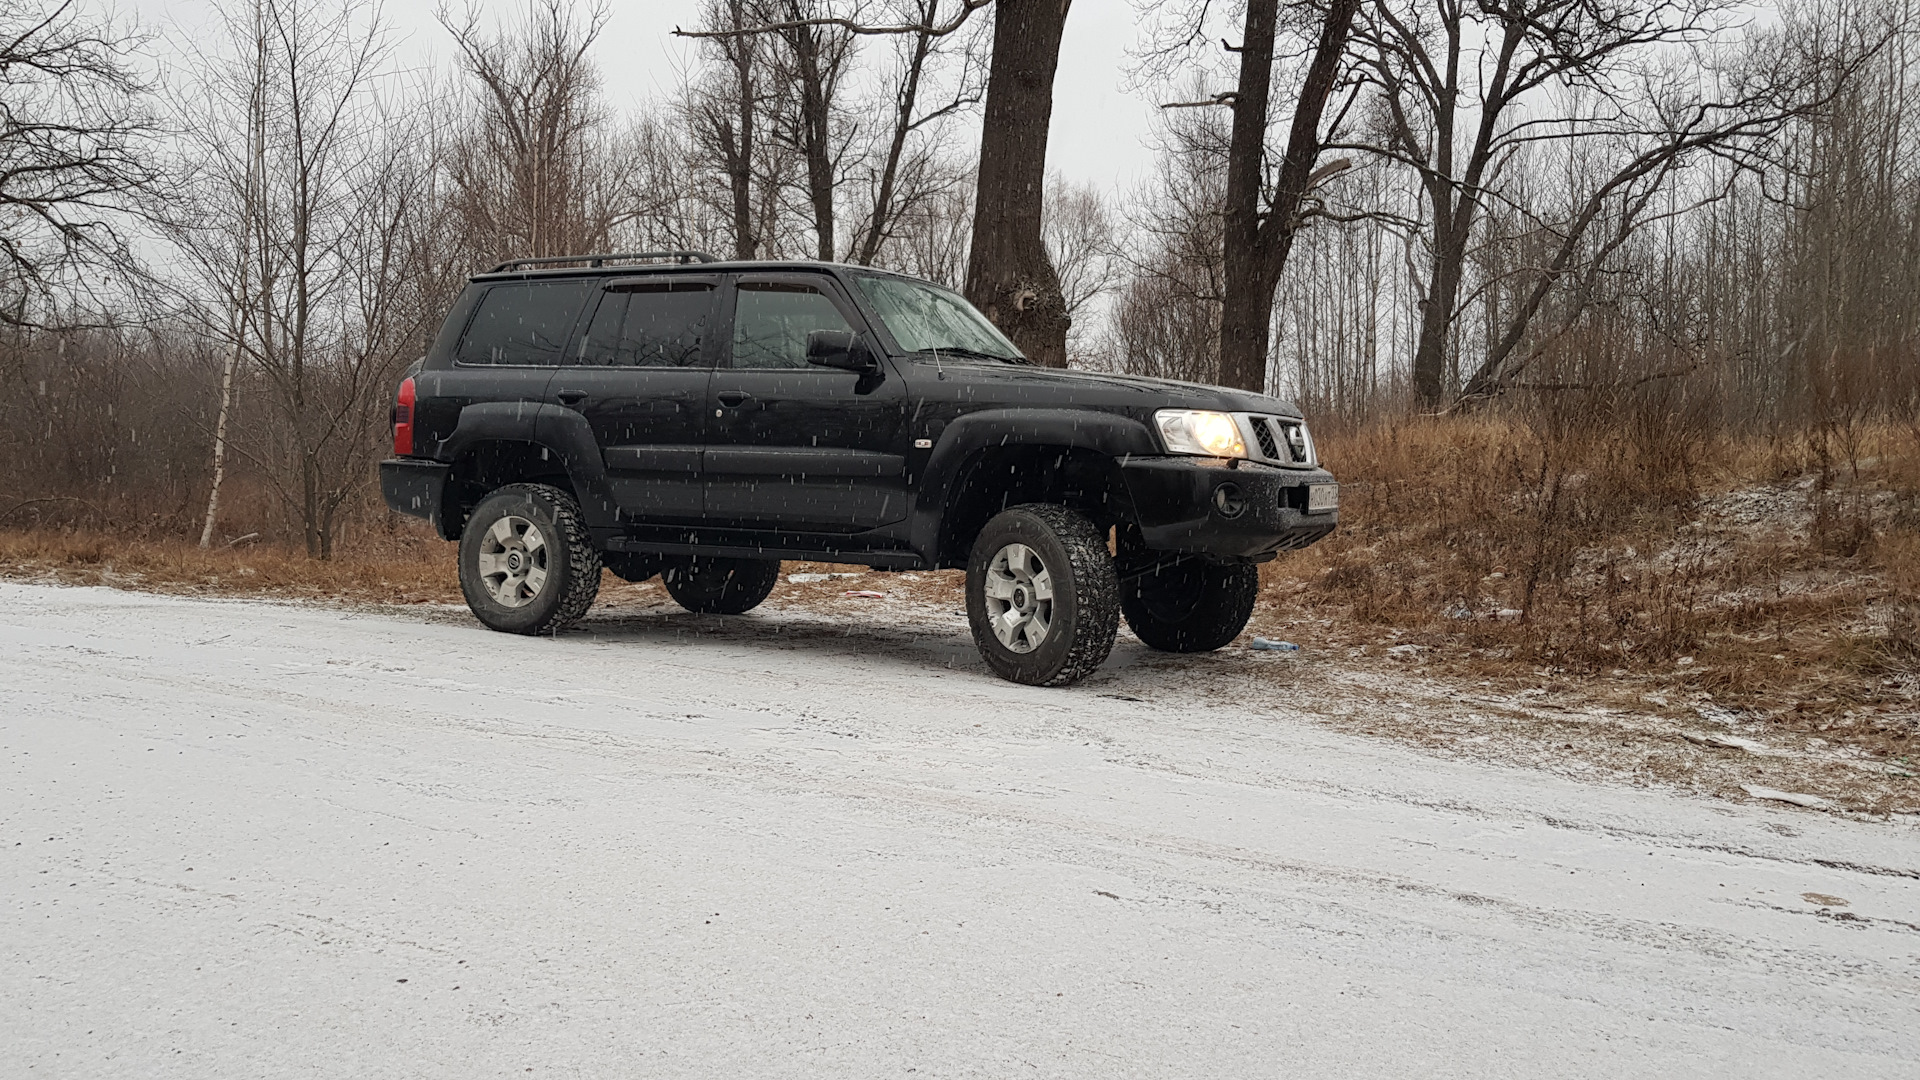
{"type": "Point", "coordinates": [638, 372]}
{"type": "Point", "coordinates": [794, 445]}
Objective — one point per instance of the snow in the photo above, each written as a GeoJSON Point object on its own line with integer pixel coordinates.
{"type": "Point", "coordinates": [246, 839]}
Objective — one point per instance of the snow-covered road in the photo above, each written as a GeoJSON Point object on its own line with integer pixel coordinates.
{"type": "Point", "coordinates": [252, 840]}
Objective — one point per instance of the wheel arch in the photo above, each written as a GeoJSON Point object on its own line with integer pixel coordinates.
{"type": "Point", "coordinates": [500, 443]}
{"type": "Point", "coordinates": [990, 460]}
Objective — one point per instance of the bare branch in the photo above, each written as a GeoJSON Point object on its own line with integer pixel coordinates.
{"type": "Point", "coordinates": [851, 26]}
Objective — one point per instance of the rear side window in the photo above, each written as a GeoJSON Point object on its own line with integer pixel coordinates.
{"type": "Point", "coordinates": [654, 325]}
{"type": "Point", "coordinates": [771, 321]}
{"type": "Point", "coordinates": [523, 323]}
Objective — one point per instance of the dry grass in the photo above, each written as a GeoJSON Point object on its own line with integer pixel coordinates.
{"type": "Point", "coordinates": [1747, 582]}
{"type": "Point", "coordinates": [411, 566]}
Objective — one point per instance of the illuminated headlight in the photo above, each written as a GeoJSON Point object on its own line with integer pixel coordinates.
{"type": "Point", "coordinates": [1197, 431]}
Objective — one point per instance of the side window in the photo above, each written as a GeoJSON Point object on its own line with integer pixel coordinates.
{"type": "Point", "coordinates": [649, 326]}
{"type": "Point", "coordinates": [771, 321]}
{"type": "Point", "coordinates": [523, 323]}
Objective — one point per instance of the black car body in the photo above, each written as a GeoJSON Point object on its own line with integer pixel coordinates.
{"type": "Point", "coordinates": [889, 468]}
{"type": "Point", "coordinates": [767, 410]}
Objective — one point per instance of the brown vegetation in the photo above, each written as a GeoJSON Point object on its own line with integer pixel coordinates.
{"type": "Point", "coordinates": [405, 566]}
{"type": "Point", "coordinates": [1747, 575]}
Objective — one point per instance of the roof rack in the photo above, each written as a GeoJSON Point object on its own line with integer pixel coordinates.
{"type": "Point", "coordinates": [682, 257]}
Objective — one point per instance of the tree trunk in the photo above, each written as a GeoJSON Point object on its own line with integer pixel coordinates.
{"type": "Point", "coordinates": [817, 74]}
{"type": "Point", "coordinates": [243, 298]}
{"type": "Point", "coordinates": [1436, 317]}
{"type": "Point", "coordinates": [1009, 276]}
{"type": "Point", "coordinates": [1247, 307]}
{"type": "Point", "coordinates": [740, 155]}
{"type": "Point", "coordinates": [1255, 245]}
{"type": "Point", "coordinates": [220, 445]}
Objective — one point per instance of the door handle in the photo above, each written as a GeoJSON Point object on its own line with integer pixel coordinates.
{"type": "Point", "coordinates": [570, 397]}
{"type": "Point", "coordinates": [733, 399]}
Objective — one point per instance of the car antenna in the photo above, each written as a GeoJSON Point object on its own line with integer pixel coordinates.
{"type": "Point", "coordinates": [939, 371]}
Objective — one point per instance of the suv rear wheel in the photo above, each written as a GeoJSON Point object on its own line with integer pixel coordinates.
{"type": "Point", "coordinates": [527, 563]}
{"type": "Point", "coordinates": [1041, 595]}
{"type": "Point", "coordinates": [1190, 606]}
{"type": "Point", "coordinates": [719, 586]}
{"type": "Point", "coordinates": [631, 565]}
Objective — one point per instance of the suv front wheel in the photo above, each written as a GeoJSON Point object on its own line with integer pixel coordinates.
{"type": "Point", "coordinates": [1042, 597]}
{"type": "Point", "coordinates": [527, 563]}
{"type": "Point", "coordinates": [1190, 606]}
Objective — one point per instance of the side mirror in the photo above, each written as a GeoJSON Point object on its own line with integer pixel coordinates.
{"type": "Point", "coordinates": [841, 349]}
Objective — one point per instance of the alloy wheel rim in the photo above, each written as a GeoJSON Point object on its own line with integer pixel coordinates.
{"type": "Point", "coordinates": [514, 561]}
{"type": "Point", "coordinates": [1019, 598]}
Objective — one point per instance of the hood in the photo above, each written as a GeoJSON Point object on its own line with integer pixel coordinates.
{"type": "Point", "coordinates": [1141, 391]}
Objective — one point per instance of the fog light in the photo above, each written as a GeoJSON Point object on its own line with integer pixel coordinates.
{"type": "Point", "coordinates": [1227, 500]}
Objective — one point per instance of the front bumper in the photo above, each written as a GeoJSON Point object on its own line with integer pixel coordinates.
{"type": "Point", "coordinates": [417, 488]}
{"type": "Point", "coordinates": [1178, 503]}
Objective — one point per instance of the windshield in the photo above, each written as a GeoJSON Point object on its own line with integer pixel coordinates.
{"type": "Point", "coordinates": [925, 317]}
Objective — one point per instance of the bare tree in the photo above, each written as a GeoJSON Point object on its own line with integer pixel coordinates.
{"type": "Point", "coordinates": [1466, 88]}
{"type": "Point", "coordinates": [75, 155]}
{"type": "Point", "coordinates": [1675, 125]}
{"type": "Point", "coordinates": [1009, 275]}
{"type": "Point", "coordinates": [252, 176]}
{"type": "Point", "coordinates": [1340, 309]}
{"type": "Point", "coordinates": [1262, 217]}
{"type": "Point", "coordinates": [541, 170]}
{"type": "Point", "coordinates": [1165, 320]}
{"type": "Point", "coordinates": [909, 166]}
{"type": "Point", "coordinates": [1083, 240]}
{"type": "Point", "coordinates": [724, 110]}
{"type": "Point", "coordinates": [812, 57]}
{"type": "Point", "coordinates": [1845, 331]}
{"type": "Point", "coordinates": [674, 165]}
{"type": "Point", "coordinates": [779, 100]}
{"type": "Point", "coordinates": [303, 204]}
{"type": "Point", "coordinates": [930, 235]}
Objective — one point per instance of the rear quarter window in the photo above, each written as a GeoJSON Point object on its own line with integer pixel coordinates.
{"type": "Point", "coordinates": [523, 323]}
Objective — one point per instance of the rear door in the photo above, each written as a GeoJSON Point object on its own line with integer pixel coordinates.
{"type": "Point", "coordinates": [792, 445]}
{"type": "Point", "coordinates": [638, 372]}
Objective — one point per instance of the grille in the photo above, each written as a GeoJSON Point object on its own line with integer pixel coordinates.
{"type": "Point", "coordinates": [1296, 442]}
{"type": "Point", "coordinates": [1281, 440]}
{"type": "Point", "coordinates": [1263, 434]}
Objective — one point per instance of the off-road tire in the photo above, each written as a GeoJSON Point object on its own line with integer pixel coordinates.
{"type": "Point", "coordinates": [1085, 600]}
{"type": "Point", "coordinates": [572, 574]}
{"type": "Point", "coordinates": [631, 565]}
{"type": "Point", "coordinates": [719, 586]}
{"type": "Point", "coordinates": [1190, 606]}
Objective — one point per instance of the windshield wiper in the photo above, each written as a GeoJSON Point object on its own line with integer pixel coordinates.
{"type": "Point", "coordinates": [971, 354]}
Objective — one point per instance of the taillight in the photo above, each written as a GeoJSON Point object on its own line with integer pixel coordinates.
{"type": "Point", "coordinates": [403, 419]}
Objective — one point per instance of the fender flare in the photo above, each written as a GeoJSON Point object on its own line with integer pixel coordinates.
{"type": "Point", "coordinates": [560, 431]}
{"type": "Point", "coordinates": [1111, 434]}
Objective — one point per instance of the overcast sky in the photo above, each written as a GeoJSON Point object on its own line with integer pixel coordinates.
{"type": "Point", "coordinates": [1098, 128]}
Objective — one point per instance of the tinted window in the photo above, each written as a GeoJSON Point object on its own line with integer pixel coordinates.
{"type": "Point", "coordinates": [524, 323]}
{"type": "Point", "coordinates": [649, 326]}
{"type": "Point", "coordinates": [771, 323]}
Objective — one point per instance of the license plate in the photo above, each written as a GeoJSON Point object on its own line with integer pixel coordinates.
{"type": "Point", "coordinates": [1322, 497]}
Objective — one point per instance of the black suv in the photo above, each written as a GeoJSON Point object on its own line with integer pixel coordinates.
{"type": "Point", "coordinates": [666, 413]}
